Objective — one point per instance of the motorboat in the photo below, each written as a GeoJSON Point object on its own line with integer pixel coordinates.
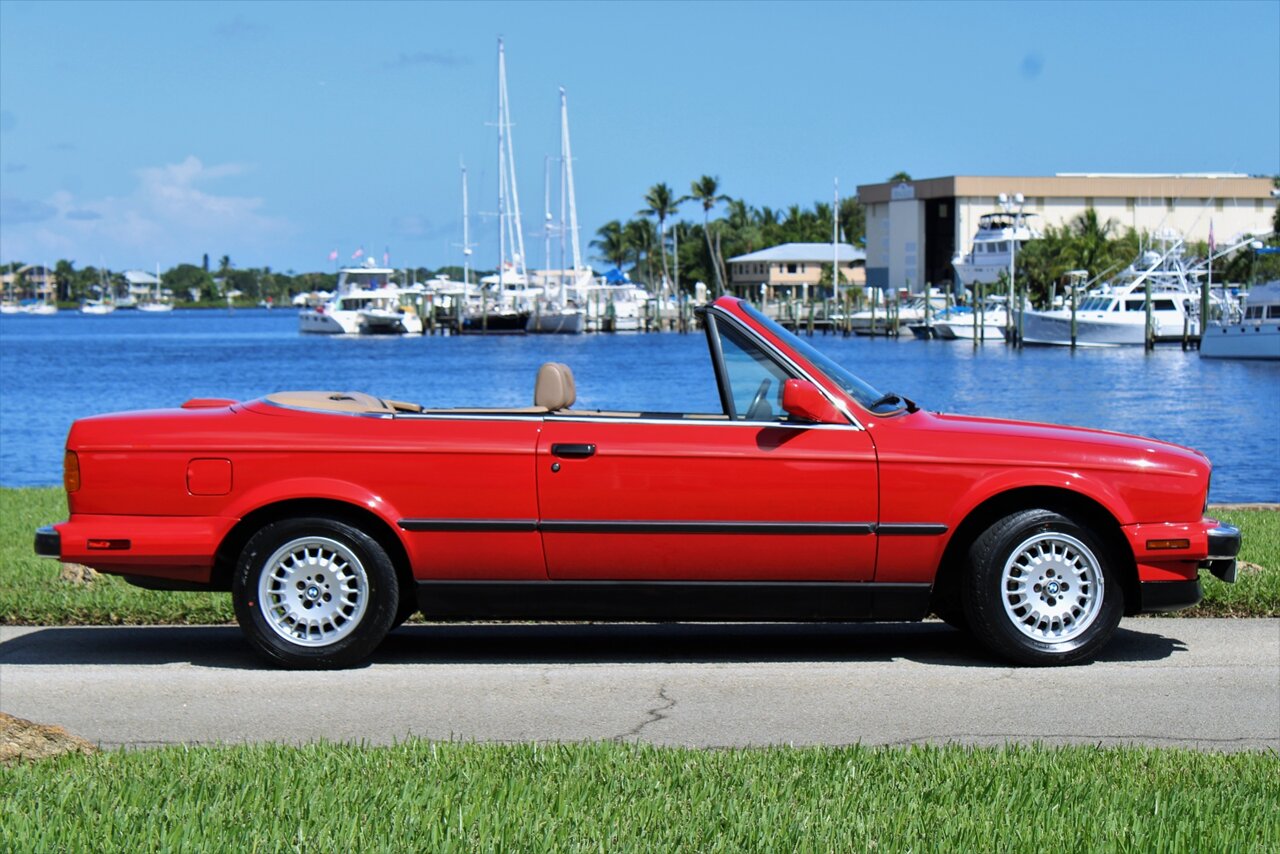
{"type": "Point", "coordinates": [1000, 235]}
{"type": "Point", "coordinates": [384, 314]}
{"type": "Point", "coordinates": [989, 325]}
{"type": "Point", "coordinates": [1115, 314]}
{"type": "Point", "coordinates": [366, 302]}
{"type": "Point", "coordinates": [910, 310]}
{"type": "Point", "coordinates": [1251, 332]}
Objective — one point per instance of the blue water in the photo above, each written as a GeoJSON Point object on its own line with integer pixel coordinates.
{"type": "Point", "coordinates": [56, 369]}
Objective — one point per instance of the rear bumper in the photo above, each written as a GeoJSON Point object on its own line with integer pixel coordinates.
{"type": "Point", "coordinates": [48, 542]}
{"type": "Point", "coordinates": [175, 548]}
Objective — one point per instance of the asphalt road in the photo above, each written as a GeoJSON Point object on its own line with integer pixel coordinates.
{"type": "Point", "coordinates": [1209, 684]}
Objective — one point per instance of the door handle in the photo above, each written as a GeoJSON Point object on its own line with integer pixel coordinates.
{"type": "Point", "coordinates": [572, 452]}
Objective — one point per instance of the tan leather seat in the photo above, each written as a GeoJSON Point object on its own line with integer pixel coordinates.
{"type": "Point", "coordinates": [554, 390]}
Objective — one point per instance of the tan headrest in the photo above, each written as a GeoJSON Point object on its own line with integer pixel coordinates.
{"type": "Point", "coordinates": [554, 387]}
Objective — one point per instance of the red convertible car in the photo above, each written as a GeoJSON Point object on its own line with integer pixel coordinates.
{"type": "Point", "coordinates": [333, 516]}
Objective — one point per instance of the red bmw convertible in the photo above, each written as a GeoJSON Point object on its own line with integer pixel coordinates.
{"type": "Point", "coordinates": [334, 516]}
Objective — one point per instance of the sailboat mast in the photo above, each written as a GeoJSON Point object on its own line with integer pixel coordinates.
{"type": "Point", "coordinates": [568, 170]}
{"type": "Point", "coordinates": [504, 125]}
{"type": "Point", "coordinates": [563, 230]}
{"type": "Point", "coordinates": [502, 165]}
{"type": "Point", "coordinates": [835, 245]}
{"type": "Point", "coordinates": [546, 218]}
{"type": "Point", "coordinates": [466, 240]}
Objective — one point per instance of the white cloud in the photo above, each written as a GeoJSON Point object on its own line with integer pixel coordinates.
{"type": "Point", "coordinates": [172, 215]}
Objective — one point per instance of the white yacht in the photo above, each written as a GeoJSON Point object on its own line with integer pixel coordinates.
{"type": "Point", "coordinates": [1252, 332]}
{"type": "Point", "coordinates": [994, 244]}
{"type": "Point", "coordinates": [366, 302]}
{"type": "Point", "coordinates": [1115, 314]}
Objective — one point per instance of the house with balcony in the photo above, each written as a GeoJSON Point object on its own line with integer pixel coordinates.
{"type": "Point", "coordinates": [791, 269]}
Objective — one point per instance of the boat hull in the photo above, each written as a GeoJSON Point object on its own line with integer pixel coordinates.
{"type": "Point", "coordinates": [1241, 341]}
{"type": "Point", "coordinates": [557, 323]}
{"type": "Point", "coordinates": [328, 322]}
{"type": "Point", "coordinates": [381, 322]}
{"type": "Point", "coordinates": [503, 322]}
{"type": "Point", "coordinates": [1054, 328]}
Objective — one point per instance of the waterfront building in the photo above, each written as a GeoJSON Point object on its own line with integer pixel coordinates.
{"type": "Point", "coordinates": [915, 228]}
{"type": "Point", "coordinates": [141, 284]}
{"type": "Point", "coordinates": [33, 281]}
{"type": "Point", "coordinates": [789, 269]}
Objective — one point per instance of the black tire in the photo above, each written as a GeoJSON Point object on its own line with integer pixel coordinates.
{"type": "Point", "coordinates": [1042, 590]}
{"type": "Point", "coordinates": [331, 593]}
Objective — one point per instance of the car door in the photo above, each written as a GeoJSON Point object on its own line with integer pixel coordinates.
{"type": "Point", "coordinates": [740, 495]}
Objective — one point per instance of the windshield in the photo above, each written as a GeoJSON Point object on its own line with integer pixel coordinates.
{"type": "Point", "coordinates": [856, 388]}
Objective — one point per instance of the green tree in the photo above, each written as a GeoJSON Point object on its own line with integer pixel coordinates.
{"type": "Point", "coordinates": [64, 278]}
{"type": "Point", "coordinates": [706, 191]}
{"type": "Point", "coordinates": [187, 281]}
{"type": "Point", "coordinates": [611, 243]}
{"type": "Point", "coordinates": [1088, 246]}
{"type": "Point", "coordinates": [898, 177]}
{"type": "Point", "coordinates": [640, 236]}
{"type": "Point", "coordinates": [661, 203]}
{"type": "Point", "coordinates": [853, 221]}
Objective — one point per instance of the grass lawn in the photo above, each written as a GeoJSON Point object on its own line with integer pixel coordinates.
{"type": "Point", "coordinates": [619, 797]}
{"type": "Point", "coordinates": [33, 593]}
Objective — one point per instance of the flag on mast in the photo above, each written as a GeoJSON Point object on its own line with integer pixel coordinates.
{"type": "Point", "coordinates": [333, 256]}
{"type": "Point", "coordinates": [359, 253]}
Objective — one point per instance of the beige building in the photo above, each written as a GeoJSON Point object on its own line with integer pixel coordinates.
{"type": "Point", "coordinates": [786, 270]}
{"type": "Point", "coordinates": [915, 228]}
{"type": "Point", "coordinates": [34, 281]}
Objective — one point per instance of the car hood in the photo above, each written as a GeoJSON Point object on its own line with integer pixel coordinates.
{"type": "Point", "coordinates": [988, 440]}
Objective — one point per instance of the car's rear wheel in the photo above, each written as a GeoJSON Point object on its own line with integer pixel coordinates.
{"type": "Point", "coordinates": [314, 593]}
{"type": "Point", "coordinates": [1042, 589]}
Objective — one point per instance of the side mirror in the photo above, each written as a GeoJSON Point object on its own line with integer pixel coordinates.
{"type": "Point", "coordinates": [802, 399]}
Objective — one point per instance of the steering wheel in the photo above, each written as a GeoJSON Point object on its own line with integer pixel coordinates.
{"type": "Point", "coordinates": [759, 407]}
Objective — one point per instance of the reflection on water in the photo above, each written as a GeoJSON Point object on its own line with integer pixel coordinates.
{"type": "Point", "coordinates": [56, 369]}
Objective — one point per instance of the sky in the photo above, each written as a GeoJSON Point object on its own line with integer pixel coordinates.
{"type": "Point", "coordinates": [142, 134]}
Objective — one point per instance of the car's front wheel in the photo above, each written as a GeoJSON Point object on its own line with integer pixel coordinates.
{"type": "Point", "coordinates": [1042, 589]}
{"type": "Point", "coordinates": [314, 593]}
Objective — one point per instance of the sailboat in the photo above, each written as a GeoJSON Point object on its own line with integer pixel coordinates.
{"type": "Point", "coordinates": [43, 306]}
{"type": "Point", "coordinates": [156, 303]}
{"type": "Point", "coordinates": [103, 304]}
{"type": "Point", "coordinates": [561, 308]}
{"type": "Point", "coordinates": [507, 298]}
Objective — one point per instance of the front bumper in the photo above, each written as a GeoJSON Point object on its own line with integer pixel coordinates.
{"type": "Point", "coordinates": [1224, 545]}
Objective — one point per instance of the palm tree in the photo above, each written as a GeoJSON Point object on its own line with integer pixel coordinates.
{"type": "Point", "coordinates": [612, 243]}
{"type": "Point", "coordinates": [640, 236]}
{"type": "Point", "coordinates": [661, 203]}
{"type": "Point", "coordinates": [707, 191]}
{"type": "Point", "coordinates": [1090, 241]}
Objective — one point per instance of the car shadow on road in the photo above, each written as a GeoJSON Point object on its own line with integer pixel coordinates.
{"type": "Point", "coordinates": [931, 643]}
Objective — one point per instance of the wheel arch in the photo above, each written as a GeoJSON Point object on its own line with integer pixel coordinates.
{"type": "Point", "coordinates": [1085, 510]}
{"type": "Point", "coordinates": [352, 514]}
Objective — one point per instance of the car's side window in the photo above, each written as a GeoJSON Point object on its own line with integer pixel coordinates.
{"type": "Point", "coordinates": [755, 379]}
